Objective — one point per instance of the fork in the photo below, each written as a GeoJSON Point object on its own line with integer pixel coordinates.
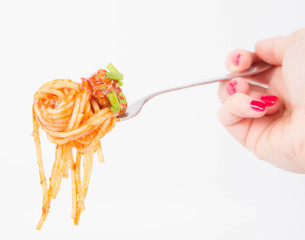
{"type": "Point", "coordinates": [135, 108]}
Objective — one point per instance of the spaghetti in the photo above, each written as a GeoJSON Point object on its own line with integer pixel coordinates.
{"type": "Point", "coordinates": [75, 115]}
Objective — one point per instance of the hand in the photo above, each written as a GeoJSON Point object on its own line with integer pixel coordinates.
{"type": "Point", "coordinates": [269, 122]}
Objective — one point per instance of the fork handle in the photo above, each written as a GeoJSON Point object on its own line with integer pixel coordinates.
{"type": "Point", "coordinates": [254, 69]}
{"type": "Point", "coordinates": [135, 108]}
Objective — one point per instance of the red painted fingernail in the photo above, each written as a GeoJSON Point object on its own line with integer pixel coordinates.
{"type": "Point", "coordinates": [258, 106]}
{"type": "Point", "coordinates": [269, 100]}
{"type": "Point", "coordinates": [235, 59]}
{"type": "Point", "coordinates": [231, 87]}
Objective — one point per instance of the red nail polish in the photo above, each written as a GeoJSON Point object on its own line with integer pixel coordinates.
{"type": "Point", "coordinates": [258, 106]}
{"type": "Point", "coordinates": [231, 87]}
{"type": "Point", "coordinates": [235, 59]}
{"type": "Point", "coordinates": [269, 100]}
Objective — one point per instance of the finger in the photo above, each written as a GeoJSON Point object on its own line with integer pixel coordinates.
{"type": "Point", "coordinates": [272, 50]}
{"type": "Point", "coordinates": [240, 60]}
{"type": "Point", "coordinates": [273, 103]}
{"type": "Point", "coordinates": [226, 89]}
{"type": "Point", "coordinates": [240, 85]}
{"type": "Point", "coordinates": [240, 113]}
{"type": "Point", "coordinates": [240, 106]}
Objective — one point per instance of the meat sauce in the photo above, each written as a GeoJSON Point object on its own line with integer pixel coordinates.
{"type": "Point", "coordinates": [100, 85]}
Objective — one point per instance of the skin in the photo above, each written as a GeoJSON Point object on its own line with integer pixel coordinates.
{"type": "Point", "coordinates": [276, 134]}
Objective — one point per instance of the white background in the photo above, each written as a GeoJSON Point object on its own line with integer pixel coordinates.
{"type": "Point", "coordinates": [172, 172]}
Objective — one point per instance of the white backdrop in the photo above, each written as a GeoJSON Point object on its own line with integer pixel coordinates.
{"type": "Point", "coordinates": [170, 173]}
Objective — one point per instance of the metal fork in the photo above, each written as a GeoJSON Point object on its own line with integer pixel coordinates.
{"type": "Point", "coordinates": [134, 108]}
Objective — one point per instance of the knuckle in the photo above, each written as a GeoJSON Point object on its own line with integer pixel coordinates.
{"type": "Point", "coordinates": [236, 100]}
{"type": "Point", "coordinates": [257, 45]}
{"type": "Point", "coordinates": [299, 33]}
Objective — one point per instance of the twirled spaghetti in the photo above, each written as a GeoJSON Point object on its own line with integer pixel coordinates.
{"type": "Point", "coordinates": [75, 115]}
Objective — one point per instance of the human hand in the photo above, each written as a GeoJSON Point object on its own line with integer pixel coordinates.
{"type": "Point", "coordinates": [269, 122]}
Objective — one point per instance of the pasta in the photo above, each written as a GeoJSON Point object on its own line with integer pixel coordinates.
{"type": "Point", "coordinates": [75, 116]}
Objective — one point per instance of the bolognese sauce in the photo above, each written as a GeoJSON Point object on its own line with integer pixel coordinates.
{"type": "Point", "coordinates": [101, 86]}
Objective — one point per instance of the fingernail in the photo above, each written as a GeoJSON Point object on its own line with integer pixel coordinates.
{"type": "Point", "coordinates": [258, 106]}
{"type": "Point", "coordinates": [231, 87]}
{"type": "Point", "coordinates": [235, 59]}
{"type": "Point", "coordinates": [269, 100]}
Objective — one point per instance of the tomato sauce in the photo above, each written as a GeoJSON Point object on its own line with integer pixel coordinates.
{"type": "Point", "coordinates": [100, 85]}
